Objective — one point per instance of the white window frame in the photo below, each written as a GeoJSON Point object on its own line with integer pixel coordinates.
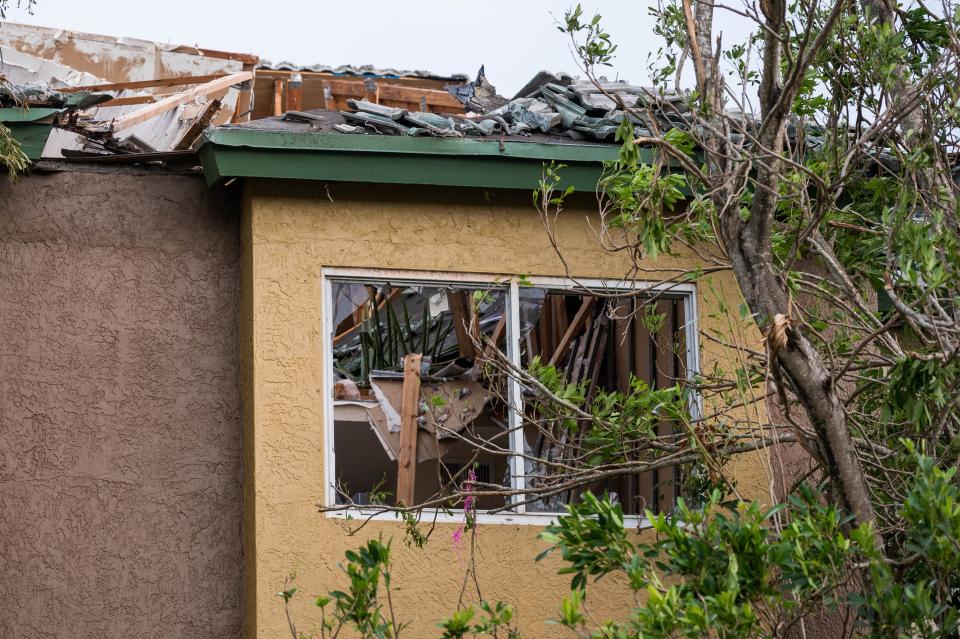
{"type": "Point", "coordinates": [511, 286]}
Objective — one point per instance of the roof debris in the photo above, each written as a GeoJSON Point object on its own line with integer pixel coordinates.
{"type": "Point", "coordinates": [99, 104]}
{"type": "Point", "coordinates": [110, 105]}
{"type": "Point", "coordinates": [564, 107]}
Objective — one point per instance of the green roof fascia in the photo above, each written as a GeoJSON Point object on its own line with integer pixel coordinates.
{"type": "Point", "coordinates": [229, 153]}
{"type": "Point", "coordinates": [36, 114]}
{"type": "Point", "coordinates": [29, 127]}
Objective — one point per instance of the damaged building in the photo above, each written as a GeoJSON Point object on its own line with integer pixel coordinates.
{"type": "Point", "coordinates": [222, 278]}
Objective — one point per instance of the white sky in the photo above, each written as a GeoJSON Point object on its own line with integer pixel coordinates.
{"type": "Point", "coordinates": [513, 38]}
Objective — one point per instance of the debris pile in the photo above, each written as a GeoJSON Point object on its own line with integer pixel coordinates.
{"type": "Point", "coordinates": [559, 105]}
{"type": "Point", "coordinates": [106, 96]}
{"type": "Point", "coordinates": [120, 95]}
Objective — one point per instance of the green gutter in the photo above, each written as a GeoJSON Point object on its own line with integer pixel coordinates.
{"type": "Point", "coordinates": [30, 127]}
{"type": "Point", "coordinates": [239, 152]}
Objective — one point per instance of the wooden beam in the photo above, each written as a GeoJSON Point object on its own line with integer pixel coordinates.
{"type": "Point", "coordinates": [623, 347]}
{"type": "Point", "coordinates": [245, 58]}
{"type": "Point", "coordinates": [168, 104]}
{"type": "Point", "coordinates": [133, 99]}
{"type": "Point", "coordinates": [402, 93]}
{"type": "Point", "coordinates": [277, 97]}
{"type": "Point", "coordinates": [145, 84]}
{"type": "Point", "coordinates": [457, 301]}
{"type": "Point", "coordinates": [576, 325]}
{"type": "Point", "coordinates": [545, 329]}
{"type": "Point", "coordinates": [664, 375]}
{"type": "Point", "coordinates": [409, 411]}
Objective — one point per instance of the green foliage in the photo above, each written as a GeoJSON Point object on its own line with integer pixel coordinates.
{"type": "Point", "coordinates": [738, 570]}
{"type": "Point", "coordinates": [359, 606]}
{"type": "Point", "coordinates": [641, 197]}
{"type": "Point", "coordinates": [496, 622]}
{"type": "Point", "coordinates": [615, 418]}
{"type": "Point", "coordinates": [11, 154]}
{"type": "Point", "coordinates": [595, 47]}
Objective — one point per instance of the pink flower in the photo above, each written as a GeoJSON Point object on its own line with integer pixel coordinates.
{"type": "Point", "coordinates": [457, 538]}
{"type": "Point", "coordinates": [469, 509]}
{"type": "Point", "coordinates": [470, 503]}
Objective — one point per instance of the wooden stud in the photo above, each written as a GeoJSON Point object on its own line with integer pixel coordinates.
{"type": "Point", "coordinates": [169, 103]}
{"type": "Point", "coordinates": [558, 311]}
{"type": "Point", "coordinates": [643, 368]}
{"type": "Point", "coordinates": [277, 97]}
{"type": "Point", "coordinates": [457, 301]}
{"type": "Point", "coordinates": [575, 326]}
{"type": "Point", "coordinates": [598, 349]}
{"type": "Point", "coordinates": [664, 376]}
{"type": "Point", "coordinates": [496, 336]}
{"type": "Point", "coordinates": [409, 410]}
{"type": "Point", "coordinates": [545, 329]}
{"type": "Point", "coordinates": [623, 346]}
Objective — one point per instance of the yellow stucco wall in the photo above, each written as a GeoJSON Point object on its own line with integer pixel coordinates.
{"type": "Point", "coordinates": [291, 231]}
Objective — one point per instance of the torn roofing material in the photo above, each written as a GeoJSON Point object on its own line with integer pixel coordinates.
{"type": "Point", "coordinates": [120, 95]}
{"type": "Point", "coordinates": [119, 59]}
{"type": "Point", "coordinates": [577, 110]}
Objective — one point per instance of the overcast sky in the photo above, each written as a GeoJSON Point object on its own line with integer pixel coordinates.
{"type": "Point", "coordinates": [513, 38]}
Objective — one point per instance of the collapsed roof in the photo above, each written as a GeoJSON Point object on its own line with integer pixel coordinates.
{"type": "Point", "coordinates": [126, 96]}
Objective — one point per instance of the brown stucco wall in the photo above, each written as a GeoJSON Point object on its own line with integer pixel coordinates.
{"type": "Point", "coordinates": [292, 231]}
{"type": "Point", "coordinates": [120, 437]}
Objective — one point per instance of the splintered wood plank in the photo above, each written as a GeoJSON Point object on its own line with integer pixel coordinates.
{"type": "Point", "coordinates": [191, 134]}
{"type": "Point", "coordinates": [628, 485]}
{"type": "Point", "coordinates": [169, 103]}
{"type": "Point", "coordinates": [665, 376]}
{"type": "Point", "coordinates": [680, 340]}
{"type": "Point", "coordinates": [409, 410]}
{"type": "Point", "coordinates": [598, 349]}
{"type": "Point", "coordinates": [573, 329]}
{"type": "Point", "coordinates": [127, 101]}
{"type": "Point", "coordinates": [144, 84]}
{"type": "Point", "coordinates": [546, 330]}
{"type": "Point", "coordinates": [643, 369]}
{"type": "Point", "coordinates": [460, 313]}
{"type": "Point", "coordinates": [498, 332]}
{"type": "Point", "coordinates": [623, 345]}
{"type": "Point", "coordinates": [558, 310]}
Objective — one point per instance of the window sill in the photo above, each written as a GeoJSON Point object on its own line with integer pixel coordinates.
{"type": "Point", "coordinates": [515, 519]}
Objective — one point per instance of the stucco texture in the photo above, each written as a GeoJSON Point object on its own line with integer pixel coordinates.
{"type": "Point", "coordinates": [291, 232]}
{"type": "Point", "coordinates": [120, 437]}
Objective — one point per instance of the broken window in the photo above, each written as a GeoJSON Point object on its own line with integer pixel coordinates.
{"type": "Point", "coordinates": [458, 417]}
{"type": "Point", "coordinates": [460, 413]}
{"type": "Point", "coordinates": [602, 343]}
